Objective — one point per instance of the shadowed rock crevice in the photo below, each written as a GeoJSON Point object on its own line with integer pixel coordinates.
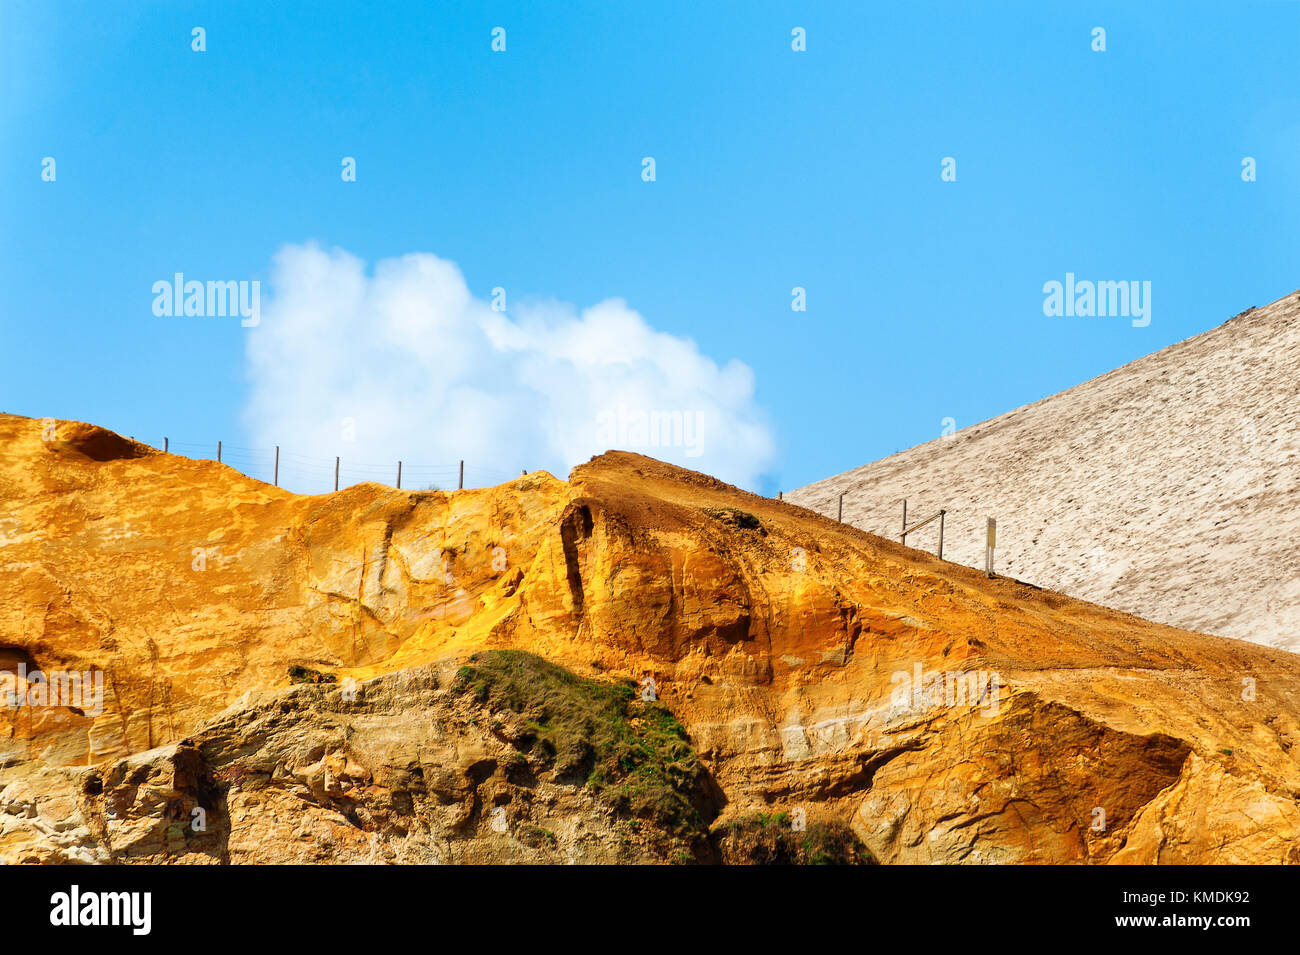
{"type": "Point", "coordinates": [1037, 767]}
{"type": "Point", "coordinates": [93, 443]}
{"type": "Point", "coordinates": [575, 529]}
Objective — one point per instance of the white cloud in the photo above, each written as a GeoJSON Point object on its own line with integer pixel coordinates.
{"type": "Point", "coordinates": [430, 374]}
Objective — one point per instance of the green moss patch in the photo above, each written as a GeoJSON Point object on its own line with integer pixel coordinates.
{"type": "Point", "coordinates": [735, 517]}
{"type": "Point", "coordinates": [771, 839]}
{"type": "Point", "coordinates": [299, 674]}
{"type": "Point", "coordinates": [634, 755]}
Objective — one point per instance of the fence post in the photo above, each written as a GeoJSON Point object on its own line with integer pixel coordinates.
{"type": "Point", "coordinates": [840, 517]}
{"type": "Point", "coordinates": [218, 452]}
{"type": "Point", "coordinates": [399, 475]}
{"type": "Point", "coordinates": [941, 513]}
{"type": "Point", "coordinates": [461, 485]}
{"type": "Point", "coordinates": [989, 543]}
{"type": "Point", "coordinates": [276, 481]}
{"type": "Point", "coordinates": [164, 445]}
{"type": "Point", "coordinates": [336, 473]}
{"type": "Point", "coordinates": [903, 538]}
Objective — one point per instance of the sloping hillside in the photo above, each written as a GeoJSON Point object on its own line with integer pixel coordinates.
{"type": "Point", "coordinates": [302, 670]}
{"type": "Point", "coordinates": [1167, 487]}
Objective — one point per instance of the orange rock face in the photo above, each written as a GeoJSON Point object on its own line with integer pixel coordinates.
{"type": "Point", "coordinates": [944, 716]}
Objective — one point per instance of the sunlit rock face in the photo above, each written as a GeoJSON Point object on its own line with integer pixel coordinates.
{"type": "Point", "coordinates": [282, 669]}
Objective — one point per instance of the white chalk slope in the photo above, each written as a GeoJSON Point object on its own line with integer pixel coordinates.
{"type": "Point", "coordinates": [1168, 488]}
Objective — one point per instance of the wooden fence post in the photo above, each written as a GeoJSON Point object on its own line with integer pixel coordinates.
{"type": "Point", "coordinates": [276, 482]}
{"type": "Point", "coordinates": [336, 473]}
{"type": "Point", "coordinates": [399, 475]}
{"type": "Point", "coordinates": [989, 543]}
{"type": "Point", "coordinates": [218, 452]}
{"type": "Point", "coordinates": [461, 485]}
{"type": "Point", "coordinates": [941, 513]}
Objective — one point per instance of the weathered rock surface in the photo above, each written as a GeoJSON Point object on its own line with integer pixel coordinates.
{"type": "Point", "coordinates": [1165, 488]}
{"type": "Point", "coordinates": [403, 773]}
{"type": "Point", "coordinates": [781, 639]}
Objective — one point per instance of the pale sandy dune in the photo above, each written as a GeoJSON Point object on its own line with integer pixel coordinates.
{"type": "Point", "coordinates": [1167, 488]}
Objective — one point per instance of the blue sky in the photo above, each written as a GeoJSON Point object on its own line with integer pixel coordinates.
{"type": "Point", "coordinates": [774, 169]}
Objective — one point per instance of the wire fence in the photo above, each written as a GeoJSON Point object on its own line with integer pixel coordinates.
{"type": "Point", "coordinates": [883, 520]}
{"type": "Point", "coordinates": [311, 474]}
{"type": "Point", "coordinates": [895, 520]}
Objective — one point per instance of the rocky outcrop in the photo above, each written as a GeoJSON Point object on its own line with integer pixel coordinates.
{"type": "Point", "coordinates": [403, 771]}
{"type": "Point", "coordinates": [823, 675]}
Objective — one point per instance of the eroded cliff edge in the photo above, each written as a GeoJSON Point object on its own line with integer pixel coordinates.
{"type": "Point", "coordinates": [780, 639]}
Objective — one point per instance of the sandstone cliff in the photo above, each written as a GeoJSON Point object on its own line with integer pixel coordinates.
{"type": "Point", "coordinates": [298, 673]}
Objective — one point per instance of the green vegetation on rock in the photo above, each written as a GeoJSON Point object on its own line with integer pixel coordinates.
{"type": "Point", "coordinates": [771, 839]}
{"type": "Point", "coordinates": [736, 518]}
{"type": "Point", "coordinates": [634, 755]}
{"type": "Point", "coordinates": [301, 674]}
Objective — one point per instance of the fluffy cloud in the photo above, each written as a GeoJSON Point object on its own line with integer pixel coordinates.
{"type": "Point", "coordinates": [405, 363]}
